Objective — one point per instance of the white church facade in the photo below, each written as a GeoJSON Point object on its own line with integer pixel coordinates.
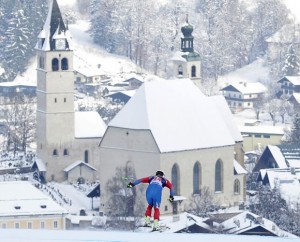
{"type": "Point", "coordinates": [170, 125]}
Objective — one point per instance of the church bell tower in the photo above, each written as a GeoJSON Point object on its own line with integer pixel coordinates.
{"type": "Point", "coordinates": [55, 93]}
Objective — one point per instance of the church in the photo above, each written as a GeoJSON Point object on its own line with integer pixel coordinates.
{"type": "Point", "coordinates": [167, 125]}
{"type": "Point", "coordinates": [171, 125]}
{"type": "Point", "coordinates": [67, 141]}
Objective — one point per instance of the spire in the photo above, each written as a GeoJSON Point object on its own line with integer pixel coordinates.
{"type": "Point", "coordinates": [54, 27]}
{"type": "Point", "coordinates": [187, 44]}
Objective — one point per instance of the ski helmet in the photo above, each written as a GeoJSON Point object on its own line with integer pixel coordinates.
{"type": "Point", "coordinates": [160, 173]}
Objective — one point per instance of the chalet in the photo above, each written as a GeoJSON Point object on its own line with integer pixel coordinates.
{"type": "Point", "coordinates": [280, 156]}
{"type": "Point", "coordinates": [23, 206]}
{"type": "Point", "coordinates": [242, 95]}
{"type": "Point", "coordinates": [259, 136]}
{"type": "Point", "coordinates": [121, 96]}
{"type": "Point", "coordinates": [10, 89]}
{"type": "Point", "coordinates": [134, 83]}
{"type": "Point", "coordinates": [290, 85]}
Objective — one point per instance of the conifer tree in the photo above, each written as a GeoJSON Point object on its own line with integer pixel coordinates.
{"type": "Point", "coordinates": [291, 66]}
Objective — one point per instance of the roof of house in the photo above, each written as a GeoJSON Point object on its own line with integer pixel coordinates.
{"type": "Point", "coordinates": [78, 163]}
{"type": "Point", "coordinates": [295, 80]}
{"type": "Point", "coordinates": [262, 129]}
{"type": "Point", "coordinates": [296, 96]}
{"type": "Point", "coordinates": [246, 221]}
{"type": "Point", "coordinates": [90, 71]}
{"type": "Point", "coordinates": [179, 116]}
{"type": "Point", "coordinates": [238, 169]}
{"type": "Point", "coordinates": [89, 124]}
{"type": "Point", "coordinates": [246, 87]}
{"type": "Point", "coordinates": [21, 198]}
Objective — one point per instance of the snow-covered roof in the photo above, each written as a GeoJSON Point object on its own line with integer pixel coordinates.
{"type": "Point", "coordinates": [238, 168]}
{"type": "Point", "coordinates": [296, 96]}
{"type": "Point", "coordinates": [17, 83]}
{"type": "Point", "coordinates": [40, 165]}
{"type": "Point", "coordinates": [178, 56]}
{"type": "Point", "coordinates": [278, 156]}
{"type": "Point", "coordinates": [178, 114]}
{"type": "Point", "coordinates": [90, 71]}
{"type": "Point", "coordinates": [78, 163]}
{"type": "Point", "coordinates": [246, 221]}
{"type": "Point", "coordinates": [248, 87]}
{"type": "Point", "coordinates": [295, 80]}
{"type": "Point", "coordinates": [262, 129]}
{"type": "Point", "coordinates": [21, 198]}
{"type": "Point", "coordinates": [89, 124]}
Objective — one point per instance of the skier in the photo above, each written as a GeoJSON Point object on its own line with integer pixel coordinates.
{"type": "Point", "coordinates": [154, 194]}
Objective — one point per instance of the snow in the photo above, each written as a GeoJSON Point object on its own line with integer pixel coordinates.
{"type": "Point", "coordinates": [281, 162]}
{"type": "Point", "coordinates": [115, 236]}
{"type": "Point", "coordinates": [158, 104]}
{"type": "Point", "coordinates": [89, 124]}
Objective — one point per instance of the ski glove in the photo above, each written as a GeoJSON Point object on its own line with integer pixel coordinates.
{"type": "Point", "coordinates": [130, 185]}
{"type": "Point", "coordinates": [171, 199]}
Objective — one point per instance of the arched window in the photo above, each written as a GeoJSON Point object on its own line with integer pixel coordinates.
{"type": "Point", "coordinates": [175, 179]}
{"type": "Point", "coordinates": [196, 178]}
{"type": "Point", "coordinates": [237, 186]}
{"type": "Point", "coordinates": [66, 152]}
{"type": "Point", "coordinates": [193, 71]}
{"type": "Point", "coordinates": [55, 152]}
{"type": "Point", "coordinates": [64, 64]}
{"type": "Point", "coordinates": [86, 156]}
{"type": "Point", "coordinates": [180, 70]}
{"type": "Point", "coordinates": [218, 176]}
{"type": "Point", "coordinates": [55, 64]}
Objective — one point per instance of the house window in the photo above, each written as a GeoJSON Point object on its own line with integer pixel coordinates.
{"type": "Point", "coordinates": [196, 178]}
{"type": "Point", "coordinates": [193, 71]}
{"type": "Point", "coordinates": [66, 152]}
{"type": "Point", "coordinates": [237, 186]}
{"type": "Point", "coordinates": [218, 176]}
{"type": "Point", "coordinates": [3, 226]}
{"type": "Point", "coordinates": [55, 65]}
{"type": "Point", "coordinates": [55, 224]}
{"type": "Point", "coordinates": [42, 224]}
{"type": "Point", "coordinates": [55, 100]}
{"type": "Point", "coordinates": [17, 225]}
{"type": "Point", "coordinates": [65, 100]}
{"type": "Point", "coordinates": [64, 64]}
{"type": "Point", "coordinates": [55, 152]}
{"type": "Point", "coordinates": [267, 136]}
{"type": "Point", "coordinates": [180, 70]}
{"type": "Point", "coordinates": [257, 136]}
{"type": "Point", "coordinates": [29, 225]}
{"type": "Point", "coordinates": [86, 156]}
{"type": "Point", "coordinates": [175, 178]}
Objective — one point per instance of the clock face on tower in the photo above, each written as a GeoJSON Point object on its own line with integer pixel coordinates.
{"type": "Point", "coordinates": [60, 44]}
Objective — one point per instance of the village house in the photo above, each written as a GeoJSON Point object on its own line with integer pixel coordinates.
{"type": "Point", "coordinates": [289, 85]}
{"type": "Point", "coordinates": [242, 95]}
{"type": "Point", "coordinates": [23, 206]}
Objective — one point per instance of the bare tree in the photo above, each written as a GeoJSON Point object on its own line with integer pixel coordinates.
{"type": "Point", "coordinates": [20, 122]}
{"type": "Point", "coordinates": [125, 207]}
{"type": "Point", "coordinates": [203, 203]}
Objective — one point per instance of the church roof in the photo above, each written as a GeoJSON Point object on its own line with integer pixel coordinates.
{"type": "Point", "coordinates": [179, 116]}
{"type": "Point", "coordinates": [54, 28]}
{"type": "Point", "coordinates": [89, 124]}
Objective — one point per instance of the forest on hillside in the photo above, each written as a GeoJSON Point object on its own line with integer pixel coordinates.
{"type": "Point", "coordinates": [228, 33]}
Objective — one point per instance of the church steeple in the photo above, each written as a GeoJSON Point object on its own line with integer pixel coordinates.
{"type": "Point", "coordinates": [54, 35]}
{"type": "Point", "coordinates": [187, 42]}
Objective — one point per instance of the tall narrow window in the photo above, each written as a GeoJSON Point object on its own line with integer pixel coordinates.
{"type": "Point", "coordinates": [218, 176]}
{"type": "Point", "coordinates": [193, 71]}
{"type": "Point", "coordinates": [66, 152]}
{"type": "Point", "coordinates": [86, 156]}
{"type": "Point", "coordinates": [175, 179]}
{"type": "Point", "coordinates": [55, 64]}
{"type": "Point", "coordinates": [64, 64]}
{"type": "Point", "coordinates": [180, 70]}
{"type": "Point", "coordinates": [196, 178]}
{"type": "Point", "coordinates": [237, 186]}
{"type": "Point", "coordinates": [55, 152]}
